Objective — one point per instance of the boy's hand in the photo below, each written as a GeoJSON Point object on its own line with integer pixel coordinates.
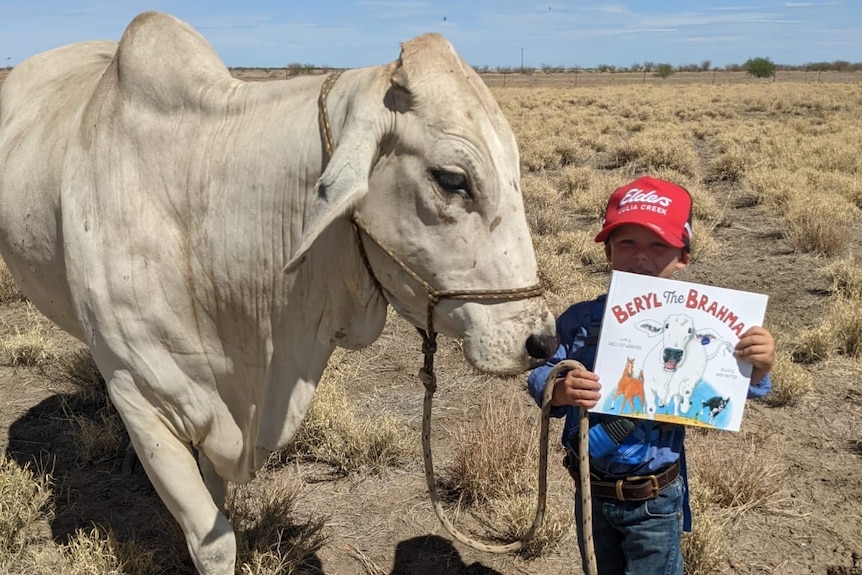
{"type": "Point", "coordinates": [757, 347]}
{"type": "Point", "coordinates": [578, 387]}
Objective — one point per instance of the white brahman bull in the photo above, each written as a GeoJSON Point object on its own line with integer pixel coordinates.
{"type": "Point", "coordinates": [674, 366]}
{"type": "Point", "coordinates": [188, 227]}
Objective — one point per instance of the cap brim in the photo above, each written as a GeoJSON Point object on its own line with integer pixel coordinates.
{"type": "Point", "coordinates": [669, 239]}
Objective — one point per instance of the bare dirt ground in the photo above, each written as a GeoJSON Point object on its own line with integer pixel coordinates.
{"type": "Point", "coordinates": [383, 524]}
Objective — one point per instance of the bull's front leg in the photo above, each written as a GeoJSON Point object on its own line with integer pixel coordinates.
{"type": "Point", "coordinates": [650, 394]}
{"type": "Point", "coordinates": [686, 391]}
{"type": "Point", "coordinates": [174, 473]}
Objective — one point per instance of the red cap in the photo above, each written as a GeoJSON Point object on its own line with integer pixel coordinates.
{"type": "Point", "coordinates": [660, 206]}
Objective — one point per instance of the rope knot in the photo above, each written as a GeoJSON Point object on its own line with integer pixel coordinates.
{"type": "Point", "coordinates": [429, 346]}
{"type": "Point", "coordinates": [428, 379]}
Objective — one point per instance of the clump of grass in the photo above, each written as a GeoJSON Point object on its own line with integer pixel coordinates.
{"type": "Point", "coordinates": [8, 288]}
{"type": "Point", "coordinates": [271, 540]}
{"type": "Point", "coordinates": [99, 431]}
{"type": "Point", "coordinates": [741, 479]}
{"type": "Point", "coordinates": [537, 153]}
{"type": "Point", "coordinates": [79, 369]}
{"type": "Point", "coordinates": [769, 186]}
{"type": "Point", "coordinates": [93, 551]}
{"type": "Point", "coordinates": [31, 346]}
{"type": "Point", "coordinates": [813, 344]}
{"type": "Point", "coordinates": [539, 193]}
{"type": "Point", "coordinates": [25, 502]}
{"type": "Point", "coordinates": [542, 204]}
{"type": "Point", "coordinates": [25, 546]}
{"type": "Point", "coordinates": [27, 348]}
{"type": "Point", "coordinates": [495, 465]}
{"type": "Point", "coordinates": [587, 190]}
{"type": "Point", "coordinates": [840, 331]}
{"type": "Point", "coordinates": [819, 224]}
{"type": "Point", "coordinates": [790, 381]}
{"type": "Point", "coordinates": [654, 150]}
{"type": "Point", "coordinates": [845, 318]}
{"type": "Point", "coordinates": [571, 152]}
{"type": "Point", "coordinates": [516, 514]}
{"type": "Point", "coordinates": [843, 182]}
{"type": "Point", "coordinates": [492, 453]}
{"type": "Point", "coordinates": [99, 438]}
{"type": "Point", "coordinates": [332, 432]}
{"type": "Point", "coordinates": [846, 277]}
{"type": "Point", "coordinates": [730, 166]}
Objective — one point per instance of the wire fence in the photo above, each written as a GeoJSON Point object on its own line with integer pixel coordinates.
{"type": "Point", "coordinates": [594, 78]}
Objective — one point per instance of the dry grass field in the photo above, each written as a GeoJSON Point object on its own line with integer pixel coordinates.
{"type": "Point", "coordinates": [776, 172]}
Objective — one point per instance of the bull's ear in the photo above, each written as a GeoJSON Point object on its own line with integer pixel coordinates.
{"type": "Point", "coordinates": [708, 333]}
{"type": "Point", "coordinates": [342, 186]}
{"type": "Point", "coordinates": [649, 326]}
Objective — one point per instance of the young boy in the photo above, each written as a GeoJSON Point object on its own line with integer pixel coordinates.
{"type": "Point", "coordinates": [641, 533]}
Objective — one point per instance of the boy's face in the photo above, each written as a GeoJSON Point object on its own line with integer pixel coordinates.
{"type": "Point", "coordinates": [639, 250]}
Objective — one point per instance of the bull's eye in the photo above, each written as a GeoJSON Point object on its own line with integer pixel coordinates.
{"type": "Point", "coordinates": [453, 182]}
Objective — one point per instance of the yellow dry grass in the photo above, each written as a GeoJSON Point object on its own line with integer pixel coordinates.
{"type": "Point", "coordinates": [333, 433]}
{"type": "Point", "coordinates": [32, 345]}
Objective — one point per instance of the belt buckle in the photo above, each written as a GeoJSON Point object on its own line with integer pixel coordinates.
{"type": "Point", "coordinates": [618, 487]}
{"type": "Point", "coordinates": [652, 479]}
{"type": "Point", "coordinates": [655, 490]}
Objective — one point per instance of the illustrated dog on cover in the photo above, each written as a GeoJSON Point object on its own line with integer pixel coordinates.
{"type": "Point", "coordinates": [713, 405]}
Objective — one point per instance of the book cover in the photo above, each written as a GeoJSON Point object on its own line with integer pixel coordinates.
{"type": "Point", "coordinates": [665, 351]}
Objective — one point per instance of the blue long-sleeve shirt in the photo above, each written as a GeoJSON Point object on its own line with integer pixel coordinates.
{"type": "Point", "coordinates": [653, 445]}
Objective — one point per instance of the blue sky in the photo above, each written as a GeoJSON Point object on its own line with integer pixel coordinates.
{"type": "Point", "coordinates": [585, 33]}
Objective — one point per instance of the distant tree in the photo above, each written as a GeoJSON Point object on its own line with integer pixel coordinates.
{"type": "Point", "coordinates": [759, 67]}
{"type": "Point", "coordinates": [649, 66]}
{"type": "Point", "coordinates": [664, 70]}
{"type": "Point", "coordinates": [704, 66]}
{"type": "Point", "coordinates": [636, 67]}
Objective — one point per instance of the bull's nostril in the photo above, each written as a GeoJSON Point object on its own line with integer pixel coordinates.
{"type": "Point", "coordinates": [541, 346]}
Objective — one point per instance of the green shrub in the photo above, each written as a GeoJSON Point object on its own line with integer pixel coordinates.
{"type": "Point", "coordinates": [664, 71]}
{"type": "Point", "coordinates": [759, 67]}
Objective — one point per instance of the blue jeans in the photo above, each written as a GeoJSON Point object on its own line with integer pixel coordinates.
{"type": "Point", "coordinates": [637, 537]}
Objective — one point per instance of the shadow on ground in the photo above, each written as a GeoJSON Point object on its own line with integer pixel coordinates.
{"type": "Point", "coordinates": [433, 555]}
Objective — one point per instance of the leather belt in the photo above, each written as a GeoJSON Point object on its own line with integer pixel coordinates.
{"type": "Point", "coordinates": [633, 488]}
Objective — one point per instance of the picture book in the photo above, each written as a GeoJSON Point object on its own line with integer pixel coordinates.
{"type": "Point", "coordinates": [665, 351]}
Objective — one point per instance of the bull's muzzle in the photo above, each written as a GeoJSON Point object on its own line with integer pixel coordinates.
{"type": "Point", "coordinates": [671, 357]}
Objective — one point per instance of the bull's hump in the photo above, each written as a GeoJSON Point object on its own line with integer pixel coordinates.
{"type": "Point", "coordinates": [163, 60]}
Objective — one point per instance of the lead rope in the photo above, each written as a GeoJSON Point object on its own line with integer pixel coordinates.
{"type": "Point", "coordinates": [429, 380]}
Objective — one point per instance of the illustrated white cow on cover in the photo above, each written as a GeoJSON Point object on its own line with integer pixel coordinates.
{"type": "Point", "coordinates": [674, 366]}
